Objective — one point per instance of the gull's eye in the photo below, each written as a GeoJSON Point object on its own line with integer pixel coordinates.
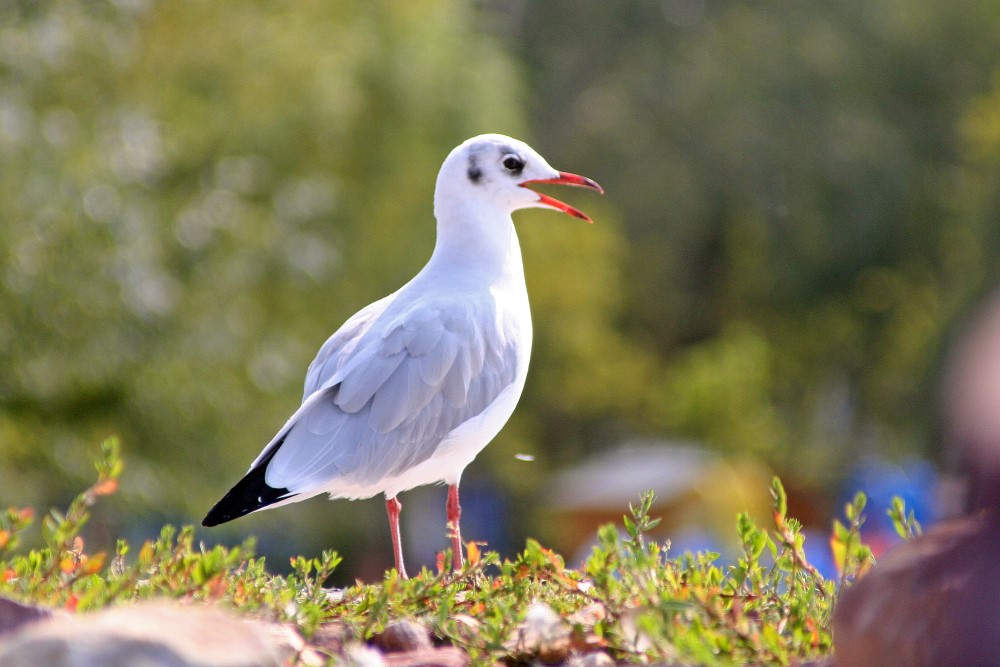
{"type": "Point", "coordinates": [513, 163]}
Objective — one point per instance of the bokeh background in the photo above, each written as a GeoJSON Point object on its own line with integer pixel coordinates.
{"type": "Point", "coordinates": [802, 204]}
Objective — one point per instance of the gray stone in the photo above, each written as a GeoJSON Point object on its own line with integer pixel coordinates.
{"type": "Point", "coordinates": [360, 655]}
{"type": "Point", "coordinates": [446, 656]}
{"type": "Point", "coordinates": [404, 635]}
{"type": "Point", "coordinates": [151, 635]}
{"type": "Point", "coordinates": [14, 614]}
{"type": "Point", "coordinates": [543, 636]}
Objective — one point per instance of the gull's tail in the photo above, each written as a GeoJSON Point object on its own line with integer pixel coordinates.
{"type": "Point", "coordinates": [249, 494]}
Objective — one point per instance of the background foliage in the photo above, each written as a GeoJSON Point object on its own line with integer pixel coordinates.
{"type": "Point", "coordinates": [802, 198]}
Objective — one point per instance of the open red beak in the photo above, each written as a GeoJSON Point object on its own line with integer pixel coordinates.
{"type": "Point", "coordinates": [564, 178]}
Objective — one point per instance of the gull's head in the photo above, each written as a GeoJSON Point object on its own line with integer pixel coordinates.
{"type": "Point", "coordinates": [495, 172]}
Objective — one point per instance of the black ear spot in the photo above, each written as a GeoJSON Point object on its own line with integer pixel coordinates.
{"type": "Point", "coordinates": [474, 172]}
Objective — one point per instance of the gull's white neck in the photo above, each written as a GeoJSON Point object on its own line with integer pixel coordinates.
{"type": "Point", "coordinates": [475, 240]}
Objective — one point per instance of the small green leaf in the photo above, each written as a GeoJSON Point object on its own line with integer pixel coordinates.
{"type": "Point", "coordinates": [780, 497]}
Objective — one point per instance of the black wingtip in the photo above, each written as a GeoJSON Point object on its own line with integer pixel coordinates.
{"type": "Point", "coordinates": [248, 495]}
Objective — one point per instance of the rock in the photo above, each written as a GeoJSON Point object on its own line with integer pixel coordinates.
{"type": "Point", "coordinates": [331, 637]}
{"type": "Point", "coordinates": [633, 637]}
{"type": "Point", "coordinates": [929, 601]}
{"type": "Point", "coordinates": [543, 636]}
{"type": "Point", "coordinates": [402, 635]}
{"type": "Point", "coordinates": [408, 644]}
{"type": "Point", "coordinates": [13, 614]}
{"type": "Point", "coordinates": [446, 656]}
{"type": "Point", "coordinates": [151, 635]}
{"type": "Point", "coordinates": [587, 617]}
{"type": "Point", "coordinates": [594, 659]}
{"type": "Point", "coordinates": [362, 656]}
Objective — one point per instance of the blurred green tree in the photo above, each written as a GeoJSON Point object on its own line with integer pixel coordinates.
{"type": "Point", "coordinates": [798, 226]}
{"type": "Point", "coordinates": [195, 195]}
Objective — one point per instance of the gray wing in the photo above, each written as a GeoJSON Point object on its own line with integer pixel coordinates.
{"type": "Point", "coordinates": [382, 403]}
{"type": "Point", "coordinates": [339, 346]}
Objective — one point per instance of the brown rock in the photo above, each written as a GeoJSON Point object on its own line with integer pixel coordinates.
{"type": "Point", "coordinates": [929, 601]}
{"type": "Point", "coordinates": [152, 635]}
{"type": "Point", "coordinates": [404, 635]}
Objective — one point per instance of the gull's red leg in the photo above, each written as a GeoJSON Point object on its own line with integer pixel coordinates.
{"type": "Point", "coordinates": [454, 515]}
{"type": "Point", "coordinates": [392, 507]}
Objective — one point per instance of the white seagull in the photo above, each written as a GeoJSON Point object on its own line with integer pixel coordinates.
{"type": "Point", "coordinates": [410, 389]}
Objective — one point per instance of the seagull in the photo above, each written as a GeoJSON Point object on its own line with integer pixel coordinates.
{"type": "Point", "coordinates": [411, 388]}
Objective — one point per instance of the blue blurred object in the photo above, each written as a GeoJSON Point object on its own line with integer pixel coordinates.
{"type": "Point", "coordinates": [913, 480]}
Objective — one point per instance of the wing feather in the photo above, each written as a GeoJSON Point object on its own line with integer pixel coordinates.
{"type": "Point", "coordinates": [359, 383]}
{"type": "Point", "coordinates": [402, 395]}
{"type": "Point", "coordinates": [425, 333]}
{"type": "Point", "coordinates": [438, 361]}
{"type": "Point", "coordinates": [337, 350]}
{"type": "Point", "coordinates": [386, 402]}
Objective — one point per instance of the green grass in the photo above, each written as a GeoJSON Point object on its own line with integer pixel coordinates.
{"type": "Point", "coordinates": [632, 597]}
